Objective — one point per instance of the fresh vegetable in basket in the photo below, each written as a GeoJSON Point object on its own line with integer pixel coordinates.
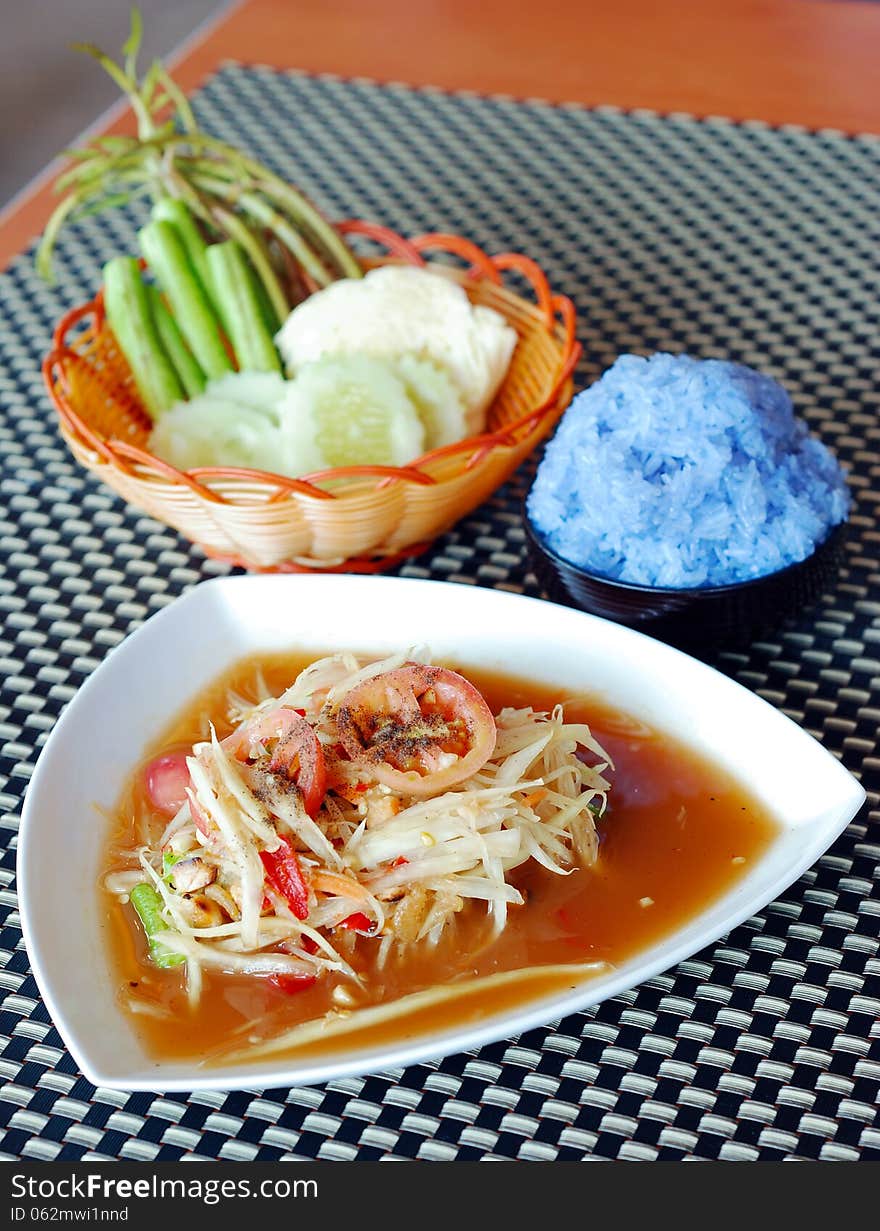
{"type": "Point", "coordinates": [381, 368]}
{"type": "Point", "coordinates": [201, 317]}
{"type": "Point", "coordinates": [166, 256]}
{"type": "Point", "coordinates": [131, 318]}
{"type": "Point", "coordinates": [381, 371]}
{"type": "Point", "coordinates": [398, 310]}
{"type": "Point", "coordinates": [291, 247]}
{"type": "Point", "coordinates": [366, 520]}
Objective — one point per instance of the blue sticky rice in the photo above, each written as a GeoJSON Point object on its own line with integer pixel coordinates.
{"type": "Point", "coordinates": [680, 472]}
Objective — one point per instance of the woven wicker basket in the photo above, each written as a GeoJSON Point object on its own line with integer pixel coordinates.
{"type": "Point", "coordinates": [361, 518]}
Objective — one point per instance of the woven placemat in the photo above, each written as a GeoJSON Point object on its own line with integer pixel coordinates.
{"type": "Point", "coordinates": [726, 240]}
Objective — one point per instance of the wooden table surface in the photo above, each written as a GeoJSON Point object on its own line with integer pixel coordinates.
{"type": "Point", "coordinates": [806, 62]}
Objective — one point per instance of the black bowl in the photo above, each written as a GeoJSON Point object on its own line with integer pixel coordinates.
{"type": "Point", "coordinates": [706, 616]}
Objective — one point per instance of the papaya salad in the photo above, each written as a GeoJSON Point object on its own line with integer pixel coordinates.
{"type": "Point", "coordinates": [373, 813]}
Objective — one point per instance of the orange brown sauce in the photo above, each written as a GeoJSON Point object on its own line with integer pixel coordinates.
{"type": "Point", "coordinates": [677, 833]}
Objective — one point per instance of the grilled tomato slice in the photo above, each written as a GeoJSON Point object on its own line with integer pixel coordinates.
{"type": "Point", "coordinates": [417, 729]}
{"type": "Point", "coordinates": [295, 751]}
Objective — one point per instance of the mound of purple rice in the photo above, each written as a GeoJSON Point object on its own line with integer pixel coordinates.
{"type": "Point", "coordinates": [679, 472]}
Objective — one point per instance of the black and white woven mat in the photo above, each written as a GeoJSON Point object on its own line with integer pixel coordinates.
{"type": "Point", "coordinates": [723, 239]}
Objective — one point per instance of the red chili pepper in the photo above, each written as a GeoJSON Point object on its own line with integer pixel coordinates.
{"type": "Point", "coordinates": [399, 861]}
{"type": "Point", "coordinates": [293, 983]}
{"type": "Point", "coordinates": [357, 922]}
{"type": "Point", "coordinates": [285, 876]}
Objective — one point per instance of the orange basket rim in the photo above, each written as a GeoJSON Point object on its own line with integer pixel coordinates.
{"type": "Point", "coordinates": [559, 319]}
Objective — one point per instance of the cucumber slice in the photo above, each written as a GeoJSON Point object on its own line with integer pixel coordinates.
{"type": "Point", "coordinates": [209, 431]}
{"type": "Point", "coordinates": [347, 411]}
{"type": "Point", "coordinates": [437, 401]}
{"type": "Point", "coordinates": [254, 390]}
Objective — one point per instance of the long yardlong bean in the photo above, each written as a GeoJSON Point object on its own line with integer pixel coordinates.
{"type": "Point", "coordinates": [130, 318]}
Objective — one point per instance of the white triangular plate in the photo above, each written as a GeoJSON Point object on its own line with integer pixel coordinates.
{"type": "Point", "coordinates": [145, 681]}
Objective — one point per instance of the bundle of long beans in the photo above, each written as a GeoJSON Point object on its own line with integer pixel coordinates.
{"type": "Point", "coordinates": [287, 241]}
